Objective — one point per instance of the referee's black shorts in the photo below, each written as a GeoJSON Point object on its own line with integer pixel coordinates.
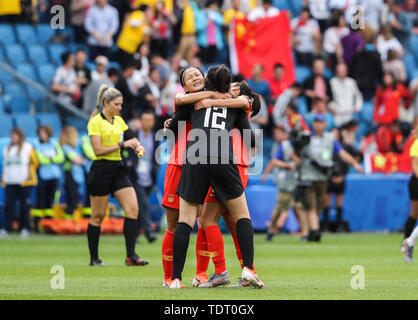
{"type": "Point", "coordinates": [106, 177]}
{"type": "Point", "coordinates": [196, 180]}
{"type": "Point", "coordinates": [413, 188]}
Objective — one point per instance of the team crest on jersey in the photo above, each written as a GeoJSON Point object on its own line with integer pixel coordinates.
{"type": "Point", "coordinates": [171, 197]}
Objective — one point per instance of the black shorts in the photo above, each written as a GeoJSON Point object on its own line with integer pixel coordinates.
{"type": "Point", "coordinates": [107, 177]}
{"type": "Point", "coordinates": [413, 188]}
{"type": "Point", "coordinates": [336, 188]}
{"type": "Point", "coordinates": [196, 180]}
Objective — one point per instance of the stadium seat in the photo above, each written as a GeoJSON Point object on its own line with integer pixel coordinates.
{"type": "Point", "coordinates": [15, 54]}
{"type": "Point", "coordinates": [52, 120]}
{"type": "Point", "coordinates": [34, 94]}
{"type": "Point", "coordinates": [367, 112]}
{"type": "Point", "coordinates": [75, 46]}
{"type": "Point", "coordinates": [260, 211]}
{"type": "Point", "coordinates": [37, 53]}
{"type": "Point", "coordinates": [19, 104]}
{"type": "Point", "coordinates": [281, 4]}
{"type": "Point", "coordinates": [46, 72]}
{"type": "Point", "coordinates": [27, 70]}
{"type": "Point", "coordinates": [44, 32]}
{"type": "Point", "coordinates": [27, 123]}
{"type": "Point", "coordinates": [2, 57]}
{"type": "Point", "coordinates": [14, 89]}
{"type": "Point", "coordinates": [414, 46]}
{"type": "Point", "coordinates": [328, 73]}
{"type": "Point", "coordinates": [1, 106]}
{"type": "Point", "coordinates": [302, 106]}
{"type": "Point", "coordinates": [297, 6]}
{"type": "Point", "coordinates": [410, 64]}
{"type": "Point", "coordinates": [5, 77]}
{"type": "Point", "coordinates": [113, 64]}
{"type": "Point", "coordinates": [55, 52]}
{"type": "Point", "coordinates": [68, 31]}
{"type": "Point", "coordinates": [26, 34]}
{"type": "Point", "coordinates": [302, 73]}
{"type": "Point", "coordinates": [7, 34]}
{"type": "Point", "coordinates": [6, 125]}
{"type": "Point", "coordinates": [78, 123]}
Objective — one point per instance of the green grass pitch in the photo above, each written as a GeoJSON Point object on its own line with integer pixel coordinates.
{"type": "Point", "coordinates": [289, 268]}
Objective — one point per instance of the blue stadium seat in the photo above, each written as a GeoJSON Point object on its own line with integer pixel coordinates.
{"type": "Point", "coordinates": [45, 107]}
{"type": "Point", "coordinates": [37, 53]}
{"type": "Point", "coordinates": [46, 72]}
{"type": "Point", "coordinates": [44, 32]}
{"type": "Point", "coordinates": [113, 64]}
{"type": "Point", "coordinates": [1, 105]}
{"type": "Point", "coordinates": [414, 46]}
{"type": "Point", "coordinates": [27, 123]}
{"type": "Point", "coordinates": [328, 73]}
{"type": "Point", "coordinates": [410, 64]}
{"type": "Point", "coordinates": [302, 73]}
{"type": "Point", "coordinates": [26, 34]}
{"type": "Point", "coordinates": [7, 34]}
{"type": "Point", "coordinates": [34, 94]}
{"type": "Point", "coordinates": [5, 77]}
{"type": "Point", "coordinates": [367, 112]}
{"type": "Point", "coordinates": [297, 6]}
{"type": "Point", "coordinates": [302, 106]}
{"type": "Point", "coordinates": [27, 70]}
{"type": "Point", "coordinates": [281, 4]}
{"type": "Point", "coordinates": [55, 52]}
{"type": "Point", "coordinates": [6, 125]}
{"type": "Point", "coordinates": [78, 123]}
{"type": "Point", "coordinates": [2, 57]}
{"type": "Point", "coordinates": [91, 65]}
{"type": "Point", "coordinates": [19, 104]}
{"type": "Point", "coordinates": [14, 89]}
{"type": "Point", "coordinates": [75, 46]}
{"type": "Point", "coordinates": [15, 54]}
{"type": "Point", "coordinates": [52, 120]}
{"type": "Point", "coordinates": [69, 31]}
{"type": "Point", "coordinates": [260, 211]}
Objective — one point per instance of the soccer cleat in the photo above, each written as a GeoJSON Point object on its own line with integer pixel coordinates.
{"type": "Point", "coordinates": [97, 262]}
{"type": "Point", "coordinates": [176, 284]}
{"type": "Point", "coordinates": [216, 280]}
{"type": "Point", "coordinates": [241, 283]}
{"type": "Point", "coordinates": [408, 252]}
{"type": "Point", "coordinates": [199, 279]}
{"type": "Point", "coordinates": [250, 276]}
{"type": "Point", "coordinates": [269, 236]}
{"type": "Point", "coordinates": [135, 261]}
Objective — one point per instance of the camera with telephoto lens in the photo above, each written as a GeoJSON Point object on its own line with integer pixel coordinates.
{"type": "Point", "coordinates": [299, 138]}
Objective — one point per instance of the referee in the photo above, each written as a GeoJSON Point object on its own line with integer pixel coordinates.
{"type": "Point", "coordinates": [109, 134]}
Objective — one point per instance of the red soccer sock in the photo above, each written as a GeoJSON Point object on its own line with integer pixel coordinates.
{"type": "Point", "coordinates": [167, 254]}
{"type": "Point", "coordinates": [216, 247]}
{"type": "Point", "coordinates": [202, 253]}
{"type": "Point", "coordinates": [238, 250]}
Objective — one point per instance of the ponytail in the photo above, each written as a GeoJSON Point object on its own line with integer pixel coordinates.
{"type": "Point", "coordinates": [105, 93]}
{"type": "Point", "coordinates": [254, 97]}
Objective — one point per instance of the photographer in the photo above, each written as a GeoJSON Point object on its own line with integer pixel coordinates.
{"type": "Point", "coordinates": [315, 170]}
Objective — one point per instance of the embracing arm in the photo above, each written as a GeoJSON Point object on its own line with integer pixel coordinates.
{"type": "Point", "coordinates": [189, 98]}
{"type": "Point", "coordinates": [240, 103]}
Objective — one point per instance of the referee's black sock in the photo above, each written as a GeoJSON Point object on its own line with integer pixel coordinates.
{"type": "Point", "coordinates": [93, 236]}
{"type": "Point", "coordinates": [409, 227]}
{"type": "Point", "coordinates": [245, 236]}
{"type": "Point", "coordinates": [130, 230]}
{"type": "Point", "coordinates": [180, 246]}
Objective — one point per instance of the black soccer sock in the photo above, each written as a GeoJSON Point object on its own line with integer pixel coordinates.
{"type": "Point", "coordinates": [245, 236]}
{"type": "Point", "coordinates": [409, 227]}
{"type": "Point", "coordinates": [339, 215]}
{"type": "Point", "coordinates": [130, 230]}
{"type": "Point", "coordinates": [325, 216]}
{"type": "Point", "coordinates": [180, 246]}
{"type": "Point", "coordinates": [93, 236]}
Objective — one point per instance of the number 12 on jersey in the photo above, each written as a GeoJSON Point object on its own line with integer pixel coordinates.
{"type": "Point", "coordinates": [218, 112]}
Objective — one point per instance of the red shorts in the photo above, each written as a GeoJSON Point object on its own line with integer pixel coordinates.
{"type": "Point", "coordinates": [171, 182]}
{"type": "Point", "coordinates": [243, 173]}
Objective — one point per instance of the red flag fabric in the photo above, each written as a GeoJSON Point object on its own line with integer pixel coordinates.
{"type": "Point", "coordinates": [266, 41]}
{"type": "Point", "coordinates": [388, 163]}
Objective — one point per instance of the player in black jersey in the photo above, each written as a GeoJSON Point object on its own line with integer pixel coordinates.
{"type": "Point", "coordinates": [210, 165]}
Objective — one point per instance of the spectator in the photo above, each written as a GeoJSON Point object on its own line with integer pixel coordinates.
{"type": "Point", "coordinates": [101, 22]}
{"type": "Point", "coordinates": [332, 40]}
{"type": "Point", "coordinates": [277, 83]}
{"type": "Point", "coordinates": [320, 12]}
{"type": "Point", "coordinates": [18, 178]}
{"type": "Point", "coordinates": [388, 100]}
{"type": "Point", "coordinates": [90, 93]}
{"type": "Point", "coordinates": [373, 10]}
{"type": "Point", "coordinates": [135, 29]}
{"type": "Point", "coordinates": [209, 33]}
{"type": "Point", "coordinates": [317, 85]}
{"type": "Point", "coordinates": [395, 65]}
{"type": "Point", "coordinates": [187, 26]}
{"type": "Point", "coordinates": [83, 73]}
{"type": "Point", "coordinates": [234, 12]}
{"type": "Point", "coordinates": [162, 30]}
{"type": "Point", "coordinates": [101, 66]}
{"type": "Point", "coordinates": [320, 108]}
{"type": "Point", "coordinates": [123, 87]}
{"type": "Point", "coordinates": [10, 11]}
{"type": "Point", "coordinates": [351, 44]}
{"type": "Point", "coordinates": [258, 84]}
{"type": "Point", "coordinates": [368, 145]}
{"type": "Point", "coordinates": [386, 41]}
{"type": "Point", "coordinates": [162, 65]}
{"type": "Point", "coordinates": [50, 157]}
{"type": "Point", "coordinates": [389, 138]}
{"type": "Point", "coordinates": [149, 94]}
{"type": "Point", "coordinates": [73, 169]}
{"type": "Point", "coordinates": [306, 37]}
{"type": "Point", "coordinates": [366, 69]}
{"type": "Point", "coordinates": [410, 7]}
{"type": "Point", "coordinates": [265, 10]}
{"type": "Point", "coordinates": [401, 23]}
{"type": "Point", "coordinates": [143, 172]}
{"type": "Point", "coordinates": [347, 98]}
{"type": "Point", "coordinates": [413, 87]}
{"type": "Point", "coordinates": [78, 11]}
{"type": "Point", "coordinates": [64, 82]}
{"type": "Point", "coordinates": [290, 95]}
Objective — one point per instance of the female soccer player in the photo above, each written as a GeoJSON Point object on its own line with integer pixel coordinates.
{"type": "Point", "coordinates": [109, 134]}
{"type": "Point", "coordinates": [411, 232]}
{"type": "Point", "coordinates": [221, 174]}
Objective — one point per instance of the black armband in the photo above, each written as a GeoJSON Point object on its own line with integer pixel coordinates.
{"type": "Point", "coordinates": [128, 134]}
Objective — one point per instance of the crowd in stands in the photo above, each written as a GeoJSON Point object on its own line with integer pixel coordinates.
{"type": "Point", "coordinates": [363, 80]}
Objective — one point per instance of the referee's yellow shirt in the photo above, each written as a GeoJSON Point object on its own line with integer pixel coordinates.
{"type": "Point", "coordinates": [413, 152]}
{"type": "Point", "coordinates": [110, 134]}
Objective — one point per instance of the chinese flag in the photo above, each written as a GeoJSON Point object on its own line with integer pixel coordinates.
{"type": "Point", "coordinates": [266, 41]}
{"type": "Point", "coordinates": [388, 163]}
